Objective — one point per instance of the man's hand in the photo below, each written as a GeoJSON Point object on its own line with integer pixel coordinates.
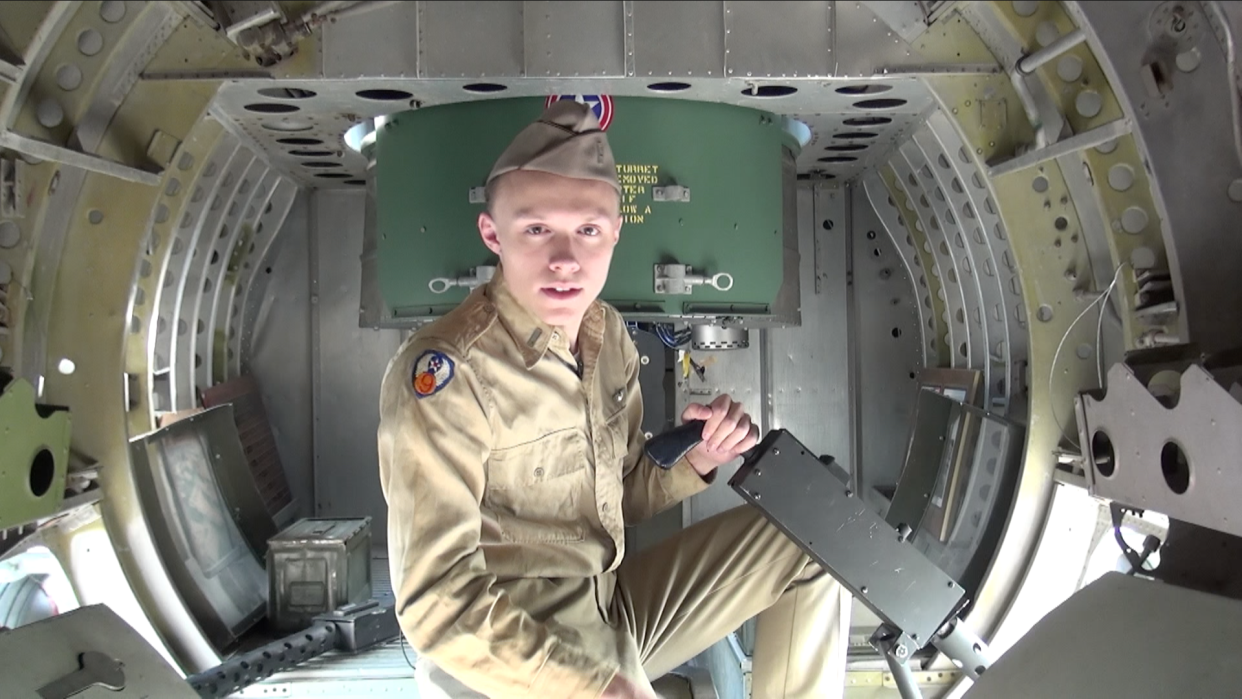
{"type": "Point", "coordinates": [622, 688]}
{"type": "Point", "coordinates": [727, 433]}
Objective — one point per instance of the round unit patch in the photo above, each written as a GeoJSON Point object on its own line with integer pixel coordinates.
{"type": "Point", "coordinates": [600, 104]}
{"type": "Point", "coordinates": [432, 372]}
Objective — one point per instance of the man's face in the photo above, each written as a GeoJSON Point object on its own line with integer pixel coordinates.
{"type": "Point", "coordinates": [555, 237]}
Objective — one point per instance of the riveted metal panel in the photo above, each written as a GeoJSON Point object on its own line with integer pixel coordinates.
{"type": "Point", "coordinates": [279, 355]}
{"type": "Point", "coordinates": [867, 43]}
{"type": "Point", "coordinates": [780, 38]}
{"type": "Point", "coordinates": [574, 39]}
{"type": "Point", "coordinates": [250, 302]}
{"type": "Point", "coordinates": [348, 369]}
{"type": "Point", "coordinates": [662, 46]}
{"type": "Point", "coordinates": [889, 353]}
{"type": "Point", "coordinates": [470, 39]}
{"type": "Point", "coordinates": [382, 42]}
{"type": "Point", "coordinates": [808, 366]}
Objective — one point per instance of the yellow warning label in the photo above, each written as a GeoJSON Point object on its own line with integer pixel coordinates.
{"type": "Point", "coordinates": [636, 181]}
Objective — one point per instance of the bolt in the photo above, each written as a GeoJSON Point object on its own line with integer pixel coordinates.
{"type": "Point", "coordinates": [757, 496]}
{"type": "Point", "coordinates": [863, 589]}
{"type": "Point", "coordinates": [776, 452]}
{"type": "Point", "coordinates": [758, 472]}
{"type": "Point", "coordinates": [848, 492]}
{"type": "Point", "coordinates": [902, 652]}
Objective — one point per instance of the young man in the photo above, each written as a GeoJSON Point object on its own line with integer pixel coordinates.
{"type": "Point", "coordinates": [510, 450]}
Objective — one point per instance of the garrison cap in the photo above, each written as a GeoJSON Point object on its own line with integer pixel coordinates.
{"type": "Point", "coordinates": [566, 141]}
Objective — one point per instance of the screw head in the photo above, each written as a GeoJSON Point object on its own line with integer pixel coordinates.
{"type": "Point", "coordinates": [902, 652]}
{"type": "Point", "coordinates": [776, 452]}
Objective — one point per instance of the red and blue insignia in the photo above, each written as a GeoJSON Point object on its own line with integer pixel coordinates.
{"type": "Point", "coordinates": [432, 371]}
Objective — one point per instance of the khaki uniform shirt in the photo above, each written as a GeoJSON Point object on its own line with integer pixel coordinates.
{"type": "Point", "coordinates": [506, 472]}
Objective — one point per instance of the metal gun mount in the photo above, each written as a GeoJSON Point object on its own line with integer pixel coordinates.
{"type": "Point", "coordinates": [803, 496]}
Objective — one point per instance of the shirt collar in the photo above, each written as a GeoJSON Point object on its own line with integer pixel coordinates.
{"type": "Point", "coordinates": [531, 335]}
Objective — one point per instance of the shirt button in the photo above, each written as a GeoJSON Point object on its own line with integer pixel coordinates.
{"type": "Point", "coordinates": [556, 336]}
{"type": "Point", "coordinates": [604, 507]}
{"type": "Point", "coordinates": [539, 472]}
{"type": "Point", "coordinates": [619, 395]}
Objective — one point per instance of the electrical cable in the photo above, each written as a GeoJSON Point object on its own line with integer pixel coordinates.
{"type": "Point", "coordinates": [1102, 299]}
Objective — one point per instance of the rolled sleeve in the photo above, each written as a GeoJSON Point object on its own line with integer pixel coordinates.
{"type": "Point", "coordinates": [434, 440]}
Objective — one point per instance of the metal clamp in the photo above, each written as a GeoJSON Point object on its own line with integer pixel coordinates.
{"type": "Point", "coordinates": [681, 280]}
{"type": "Point", "coordinates": [480, 276]}
{"type": "Point", "coordinates": [672, 192]}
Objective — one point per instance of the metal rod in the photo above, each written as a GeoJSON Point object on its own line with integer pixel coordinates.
{"type": "Point", "coordinates": [1087, 139]}
{"type": "Point", "coordinates": [1031, 63]}
{"type": "Point", "coordinates": [964, 648]}
{"type": "Point", "coordinates": [76, 158]}
{"type": "Point", "coordinates": [903, 676]}
{"type": "Point", "coordinates": [243, 670]}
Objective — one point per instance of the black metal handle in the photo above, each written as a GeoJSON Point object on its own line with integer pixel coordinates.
{"type": "Point", "coordinates": [667, 448]}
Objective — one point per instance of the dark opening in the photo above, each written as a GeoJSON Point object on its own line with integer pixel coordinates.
{"type": "Point", "coordinates": [287, 93]}
{"type": "Point", "coordinates": [332, 175]}
{"type": "Point", "coordinates": [42, 469]}
{"type": "Point", "coordinates": [668, 87]}
{"type": "Point", "coordinates": [299, 141]}
{"type": "Point", "coordinates": [383, 95]}
{"type": "Point", "coordinates": [1061, 223]}
{"type": "Point", "coordinates": [896, 333]}
{"type": "Point", "coordinates": [312, 153]}
{"type": "Point", "coordinates": [1175, 467]}
{"type": "Point", "coordinates": [320, 164]}
{"type": "Point", "coordinates": [485, 87]}
{"type": "Point", "coordinates": [272, 108]}
{"type": "Point", "coordinates": [769, 91]}
{"type": "Point", "coordinates": [865, 89]}
{"type": "Point", "coordinates": [1102, 454]}
{"type": "Point", "coordinates": [855, 135]}
{"type": "Point", "coordinates": [881, 103]}
{"type": "Point", "coordinates": [847, 147]}
{"type": "Point", "coordinates": [356, 182]}
{"type": "Point", "coordinates": [838, 159]}
{"type": "Point", "coordinates": [868, 121]}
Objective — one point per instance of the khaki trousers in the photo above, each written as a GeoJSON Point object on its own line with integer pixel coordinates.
{"type": "Point", "coordinates": [677, 598]}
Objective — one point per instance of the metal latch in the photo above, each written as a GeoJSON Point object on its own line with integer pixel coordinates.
{"type": "Point", "coordinates": [478, 277]}
{"type": "Point", "coordinates": [671, 192]}
{"type": "Point", "coordinates": [681, 280]}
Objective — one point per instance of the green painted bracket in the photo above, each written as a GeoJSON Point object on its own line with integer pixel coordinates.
{"type": "Point", "coordinates": [34, 455]}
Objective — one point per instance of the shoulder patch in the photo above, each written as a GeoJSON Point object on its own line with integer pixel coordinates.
{"type": "Point", "coordinates": [433, 370]}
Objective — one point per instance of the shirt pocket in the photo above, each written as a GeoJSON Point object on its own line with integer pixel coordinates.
{"type": "Point", "coordinates": [537, 490]}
